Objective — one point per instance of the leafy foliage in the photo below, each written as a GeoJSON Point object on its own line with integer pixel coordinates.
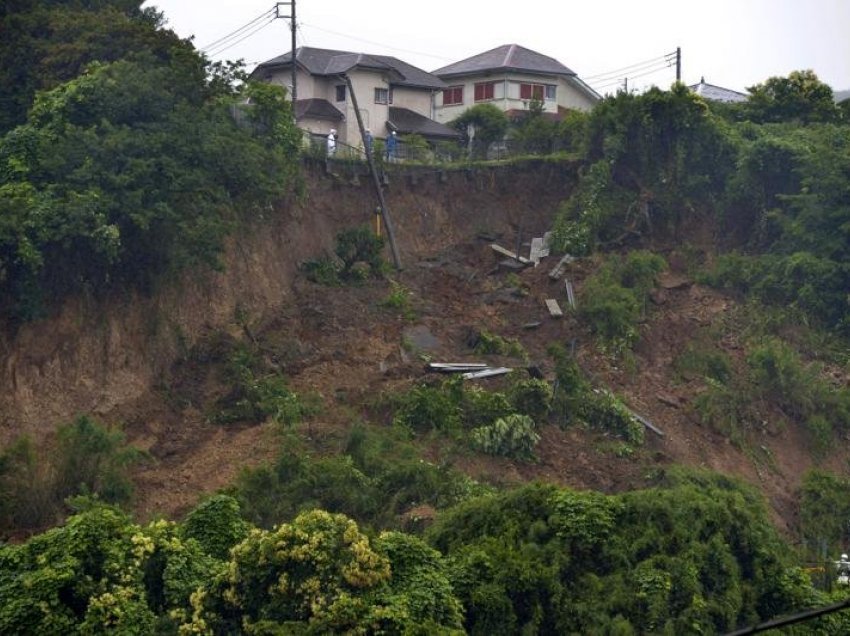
{"type": "Point", "coordinates": [88, 459]}
{"type": "Point", "coordinates": [696, 555]}
{"type": "Point", "coordinates": [488, 121]}
{"type": "Point", "coordinates": [801, 96]}
{"type": "Point", "coordinates": [614, 298]}
{"type": "Point", "coordinates": [132, 169]}
{"type": "Point", "coordinates": [649, 158]}
{"type": "Point", "coordinates": [513, 436]}
{"type": "Point", "coordinates": [257, 392]}
{"type": "Point", "coordinates": [216, 524]}
{"type": "Point", "coordinates": [376, 478]}
{"type": "Point", "coordinates": [357, 256]}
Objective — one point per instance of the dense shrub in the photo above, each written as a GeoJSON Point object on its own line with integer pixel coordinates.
{"type": "Point", "coordinates": [513, 436]}
{"type": "Point", "coordinates": [87, 459]}
{"type": "Point", "coordinates": [425, 408]}
{"type": "Point", "coordinates": [216, 524]}
{"type": "Point", "coordinates": [126, 173]}
{"type": "Point", "coordinates": [532, 397]}
{"type": "Point", "coordinates": [376, 479]}
{"type": "Point", "coordinates": [695, 555]}
{"type": "Point", "coordinates": [257, 392]}
{"type": "Point", "coordinates": [613, 299]}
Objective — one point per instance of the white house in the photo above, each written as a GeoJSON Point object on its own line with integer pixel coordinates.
{"type": "Point", "coordinates": [510, 77]}
{"type": "Point", "coordinates": [391, 94]}
{"type": "Point", "coordinates": [717, 93]}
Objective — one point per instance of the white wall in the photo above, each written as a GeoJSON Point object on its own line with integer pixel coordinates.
{"type": "Point", "coordinates": [364, 82]}
{"type": "Point", "coordinates": [417, 100]}
{"type": "Point", "coordinates": [507, 94]}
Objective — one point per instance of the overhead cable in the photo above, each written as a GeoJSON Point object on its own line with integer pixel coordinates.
{"type": "Point", "coordinates": [238, 31]}
{"type": "Point", "coordinates": [618, 80]}
{"type": "Point", "coordinates": [220, 50]}
{"type": "Point", "coordinates": [394, 48]}
{"type": "Point", "coordinates": [625, 69]}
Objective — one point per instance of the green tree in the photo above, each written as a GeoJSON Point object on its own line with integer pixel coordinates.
{"type": "Point", "coordinates": [47, 43]}
{"type": "Point", "coordinates": [129, 172]}
{"type": "Point", "coordinates": [799, 97]}
{"type": "Point", "coordinates": [489, 123]}
{"type": "Point", "coordinates": [313, 571]}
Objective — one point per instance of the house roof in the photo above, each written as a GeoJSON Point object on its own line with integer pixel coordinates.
{"type": "Point", "coordinates": [408, 122]}
{"type": "Point", "coordinates": [332, 62]}
{"type": "Point", "coordinates": [717, 93]}
{"type": "Point", "coordinates": [508, 57]}
{"type": "Point", "coordinates": [315, 108]}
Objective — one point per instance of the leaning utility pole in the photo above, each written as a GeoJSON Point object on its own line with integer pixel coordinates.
{"type": "Point", "coordinates": [385, 213]}
{"type": "Point", "coordinates": [292, 24]}
{"type": "Point", "coordinates": [678, 63]}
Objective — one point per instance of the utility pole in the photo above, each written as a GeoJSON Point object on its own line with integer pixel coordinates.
{"type": "Point", "coordinates": [379, 191]}
{"type": "Point", "coordinates": [678, 63]}
{"type": "Point", "coordinates": [292, 24]}
{"type": "Point", "coordinates": [625, 84]}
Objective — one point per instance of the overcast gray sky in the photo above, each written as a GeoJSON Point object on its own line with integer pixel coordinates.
{"type": "Point", "coordinates": [733, 43]}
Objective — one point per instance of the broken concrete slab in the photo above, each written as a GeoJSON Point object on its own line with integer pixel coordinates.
{"type": "Point", "coordinates": [554, 308]}
{"type": "Point", "coordinates": [486, 373]}
{"type": "Point", "coordinates": [561, 267]}
{"type": "Point", "coordinates": [456, 367]}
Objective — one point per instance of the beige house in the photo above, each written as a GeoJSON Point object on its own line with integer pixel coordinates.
{"type": "Point", "coordinates": [391, 94]}
{"type": "Point", "coordinates": [510, 77]}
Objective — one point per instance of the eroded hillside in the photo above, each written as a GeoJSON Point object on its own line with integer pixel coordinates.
{"type": "Point", "coordinates": [150, 363]}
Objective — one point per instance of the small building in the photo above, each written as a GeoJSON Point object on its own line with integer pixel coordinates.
{"type": "Point", "coordinates": [717, 93]}
{"type": "Point", "coordinates": [392, 95]}
{"type": "Point", "coordinates": [511, 77]}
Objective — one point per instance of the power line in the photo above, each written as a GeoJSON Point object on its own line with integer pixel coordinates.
{"type": "Point", "coordinates": [394, 48]}
{"type": "Point", "coordinates": [237, 31]}
{"type": "Point", "coordinates": [633, 67]}
{"type": "Point", "coordinates": [219, 51]}
{"type": "Point", "coordinates": [642, 73]}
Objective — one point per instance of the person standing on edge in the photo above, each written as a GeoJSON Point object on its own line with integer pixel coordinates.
{"type": "Point", "coordinates": [392, 142]}
{"type": "Point", "coordinates": [367, 139]}
{"type": "Point", "coordinates": [332, 142]}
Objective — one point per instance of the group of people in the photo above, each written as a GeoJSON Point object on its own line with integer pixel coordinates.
{"type": "Point", "coordinates": [391, 147]}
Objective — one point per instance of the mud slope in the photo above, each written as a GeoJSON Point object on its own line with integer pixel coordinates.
{"type": "Point", "coordinates": [93, 357]}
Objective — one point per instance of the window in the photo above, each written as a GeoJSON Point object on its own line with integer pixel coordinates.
{"type": "Point", "coordinates": [340, 92]}
{"type": "Point", "coordinates": [484, 91]}
{"type": "Point", "coordinates": [453, 95]}
{"type": "Point", "coordinates": [382, 96]}
{"type": "Point", "coordinates": [537, 91]}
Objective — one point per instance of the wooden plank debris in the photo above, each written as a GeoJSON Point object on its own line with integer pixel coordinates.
{"type": "Point", "coordinates": [539, 248]}
{"type": "Point", "coordinates": [571, 296]}
{"type": "Point", "coordinates": [456, 367]}
{"type": "Point", "coordinates": [506, 252]}
{"type": "Point", "coordinates": [554, 308]}
{"type": "Point", "coordinates": [648, 424]}
{"type": "Point", "coordinates": [559, 269]}
{"type": "Point", "coordinates": [532, 325]}
{"type": "Point", "coordinates": [486, 373]}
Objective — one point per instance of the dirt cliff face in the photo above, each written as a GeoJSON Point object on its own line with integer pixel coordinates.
{"type": "Point", "coordinates": [93, 357]}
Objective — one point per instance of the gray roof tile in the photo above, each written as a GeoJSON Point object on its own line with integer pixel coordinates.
{"type": "Point", "coordinates": [332, 62]}
{"type": "Point", "coordinates": [316, 108]}
{"type": "Point", "coordinates": [508, 57]}
{"type": "Point", "coordinates": [717, 93]}
{"type": "Point", "coordinates": [407, 122]}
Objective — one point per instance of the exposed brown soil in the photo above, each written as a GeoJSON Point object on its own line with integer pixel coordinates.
{"type": "Point", "coordinates": [342, 344]}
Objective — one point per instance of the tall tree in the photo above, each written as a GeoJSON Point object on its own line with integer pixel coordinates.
{"type": "Point", "coordinates": [799, 97]}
